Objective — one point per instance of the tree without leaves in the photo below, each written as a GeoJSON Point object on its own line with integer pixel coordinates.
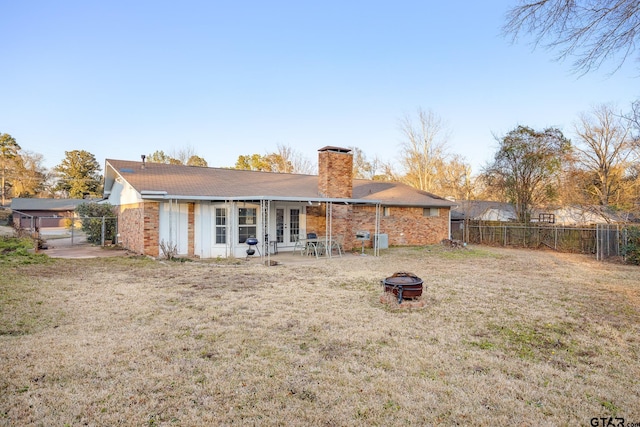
{"type": "Point", "coordinates": [298, 163]}
{"type": "Point", "coordinates": [183, 155]}
{"type": "Point", "coordinates": [526, 166]}
{"type": "Point", "coordinates": [455, 179]}
{"type": "Point", "coordinates": [31, 176]}
{"type": "Point", "coordinates": [79, 174]}
{"type": "Point", "coordinates": [423, 150]}
{"type": "Point", "coordinates": [604, 152]}
{"type": "Point", "coordinates": [634, 122]}
{"type": "Point", "coordinates": [593, 31]}
{"type": "Point", "coordinates": [362, 167]}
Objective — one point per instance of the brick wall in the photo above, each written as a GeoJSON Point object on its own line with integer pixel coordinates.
{"type": "Point", "coordinates": [404, 226]}
{"type": "Point", "coordinates": [151, 228]}
{"type": "Point", "coordinates": [335, 173]}
{"type": "Point", "coordinates": [131, 226]}
{"type": "Point", "coordinates": [139, 227]}
{"type": "Point", "coordinates": [340, 223]}
{"type": "Point", "coordinates": [316, 219]}
{"type": "Point", "coordinates": [335, 180]}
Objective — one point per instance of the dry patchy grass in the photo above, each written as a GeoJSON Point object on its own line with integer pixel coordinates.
{"type": "Point", "coordinates": [507, 337]}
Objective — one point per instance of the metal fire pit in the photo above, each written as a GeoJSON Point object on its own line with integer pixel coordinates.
{"type": "Point", "coordinates": [404, 285]}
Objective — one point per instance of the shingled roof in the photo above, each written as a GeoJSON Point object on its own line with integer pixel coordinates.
{"type": "Point", "coordinates": [201, 183]}
{"type": "Point", "coordinates": [56, 205]}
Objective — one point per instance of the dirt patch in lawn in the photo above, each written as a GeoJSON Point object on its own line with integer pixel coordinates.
{"type": "Point", "coordinates": [506, 337]}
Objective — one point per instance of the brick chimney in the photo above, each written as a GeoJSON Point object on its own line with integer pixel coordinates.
{"type": "Point", "coordinates": [335, 172]}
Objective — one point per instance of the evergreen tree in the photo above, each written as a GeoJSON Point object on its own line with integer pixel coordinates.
{"type": "Point", "coordinates": [79, 175]}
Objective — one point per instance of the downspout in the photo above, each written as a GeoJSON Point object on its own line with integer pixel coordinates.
{"type": "Point", "coordinates": [170, 222]}
{"type": "Point", "coordinates": [329, 222]}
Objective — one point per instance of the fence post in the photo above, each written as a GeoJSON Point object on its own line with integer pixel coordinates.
{"type": "Point", "coordinates": [597, 245]}
{"type": "Point", "coordinates": [505, 235]}
{"type": "Point", "coordinates": [102, 233]}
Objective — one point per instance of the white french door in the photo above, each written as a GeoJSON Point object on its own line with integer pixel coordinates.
{"type": "Point", "coordinates": [288, 225]}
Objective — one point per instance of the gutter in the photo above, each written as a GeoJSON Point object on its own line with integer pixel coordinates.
{"type": "Point", "coordinates": [162, 195]}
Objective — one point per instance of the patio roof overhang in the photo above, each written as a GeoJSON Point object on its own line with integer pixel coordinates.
{"type": "Point", "coordinates": [163, 195]}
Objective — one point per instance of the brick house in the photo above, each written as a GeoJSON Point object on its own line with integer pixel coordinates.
{"type": "Point", "coordinates": [210, 212]}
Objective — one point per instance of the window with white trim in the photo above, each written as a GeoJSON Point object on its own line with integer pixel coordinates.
{"type": "Point", "coordinates": [221, 226]}
{"type": "Point", "coordinates": [247, 224]}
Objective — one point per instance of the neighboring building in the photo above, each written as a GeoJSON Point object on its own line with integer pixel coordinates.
{"type": "Point", "coordinates": [586, 215]}
{"type": "Point", "coordinates": [44, 213]}
{"type": "Point", "coordinates": [210, 212]}
{"type": "Point", "coordinates": [480, 210]}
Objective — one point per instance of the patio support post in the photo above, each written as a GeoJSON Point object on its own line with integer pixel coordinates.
{"type": "Point", "coordinates": [329, 227]}
{"type": "Point", "coordinates": [376, 246]}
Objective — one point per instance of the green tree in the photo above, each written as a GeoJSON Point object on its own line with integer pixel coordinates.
{"type": "Point", "coordinates": [185, 156]}
{"type": "Point", "coordinates": [285, 160]}
{"type": "Point", "coordinates": [592, 31]}
{"type": "Point", "coordinates": [92, 215]}
{"type": "Point", "coordinates": [272, 162]}
{"type": "Point", "coordinates": [526, 168]}
{"type": "Point", "coordinates": [9, 149]}
{"type": "Point", "coordinates": [79, 174]}
{"type": "Point", "coordinates": [159, 156]}
{"type": "Point", "coordinates": [197, 161]}
{"type": "Point", "coordinates": [253, 162]}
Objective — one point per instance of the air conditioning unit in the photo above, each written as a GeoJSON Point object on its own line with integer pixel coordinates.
{"type": "Point", "coordinates": [382, 241]}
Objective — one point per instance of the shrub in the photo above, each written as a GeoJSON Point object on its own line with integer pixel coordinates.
{"type": "Point", "coordinates": [631, 250]}
{"type": "Point", "coordinates": [169, 249]}
{"type": "Point", "coordinates": [92, 214]}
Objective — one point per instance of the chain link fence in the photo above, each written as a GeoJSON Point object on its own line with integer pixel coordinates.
{"type": "Point", "coordinates": [66, 231]}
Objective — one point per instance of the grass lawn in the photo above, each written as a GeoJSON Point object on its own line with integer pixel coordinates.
{"type": "Point", "coordinates": [507, 337]}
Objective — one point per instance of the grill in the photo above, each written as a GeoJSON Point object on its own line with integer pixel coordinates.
{"type": "Point", "coordinates": [363, 236]}
{"type": "Point", "coordinates": [404, 285]}
{"type": "Point", "coordinates": [252, 242]}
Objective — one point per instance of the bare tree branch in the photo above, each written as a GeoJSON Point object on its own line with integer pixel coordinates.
{"type": "Point", "coordinates": [591, 31]}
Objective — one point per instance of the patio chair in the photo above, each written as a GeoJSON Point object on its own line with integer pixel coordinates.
{"type": "Point", "coordinates": [300, 243]}
{"type": "Point", "coordinates": [313, 245]}
{"type": "Point", "coordinates": [336, 243]}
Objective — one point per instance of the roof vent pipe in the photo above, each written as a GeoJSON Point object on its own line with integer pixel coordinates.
{"type": "Point", "coordinates": [143, 157]}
